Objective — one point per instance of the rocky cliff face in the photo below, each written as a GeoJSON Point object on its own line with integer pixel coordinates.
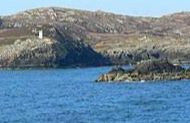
{"type": "Point", "coordinates": [59, 47]}
{"type": "Point", "coordinates": [34, 52]}
{"type": "Point", "coordinates": [81, 38]}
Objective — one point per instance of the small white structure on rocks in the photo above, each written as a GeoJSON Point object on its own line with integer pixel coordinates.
{"type": "Point", "coordinates": [40, 36]}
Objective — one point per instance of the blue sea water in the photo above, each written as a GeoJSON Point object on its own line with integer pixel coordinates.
{"type": "Point", "coordinates": [72, 96]}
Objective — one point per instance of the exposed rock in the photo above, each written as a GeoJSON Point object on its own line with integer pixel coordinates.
{"type": "Point", "coordinates": [147, 71]}
{"type": "Point", "coordinates": [110, 38]}
{"type": "Point", "coordinates": [46, 52]}
{"type": "Point", "coordinates": [160, 66]}
{"type": "Point", "coordinates": [1, 23]}
{"type": "Point", "coordinates": [113, 75]}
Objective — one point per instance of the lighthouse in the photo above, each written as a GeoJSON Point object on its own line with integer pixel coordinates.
{"type": "Point", "coordinates": [40, 35]}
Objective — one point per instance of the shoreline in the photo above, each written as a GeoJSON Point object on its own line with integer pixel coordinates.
{"type": "Point", "coordinates": [75, 66]}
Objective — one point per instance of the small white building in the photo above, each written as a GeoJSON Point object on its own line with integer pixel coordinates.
{"type": "Point", "coordinates": [40, 35]}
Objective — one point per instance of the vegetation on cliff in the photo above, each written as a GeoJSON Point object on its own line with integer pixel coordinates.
{"type": "Point", "coordinates": [84, 38]}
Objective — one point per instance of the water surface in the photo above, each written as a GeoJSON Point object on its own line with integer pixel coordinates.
{"type": "Point", "coordinates": [72, 96]}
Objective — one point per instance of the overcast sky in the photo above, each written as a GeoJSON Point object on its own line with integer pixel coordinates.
{"type": "Point", "coordinates": [127, 7]}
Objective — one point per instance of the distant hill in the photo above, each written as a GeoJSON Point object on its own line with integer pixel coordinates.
{"type": "Point", "coordinates": [83, 38]}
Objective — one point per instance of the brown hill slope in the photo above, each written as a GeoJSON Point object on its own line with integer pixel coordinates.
{"type": "Point", "coordinates": [104, 37]}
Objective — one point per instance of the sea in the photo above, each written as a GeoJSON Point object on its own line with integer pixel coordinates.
{"type": "Point", "coordinates": [73, 96]}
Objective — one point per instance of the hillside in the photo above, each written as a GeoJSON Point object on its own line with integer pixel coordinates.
{"type": "Point", "coordinates": [83, 38]}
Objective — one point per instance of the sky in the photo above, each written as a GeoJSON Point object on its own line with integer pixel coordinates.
{"type": "Point", "coordinates": [126, 7]}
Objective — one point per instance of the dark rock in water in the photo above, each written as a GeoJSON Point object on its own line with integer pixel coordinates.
{"type": "Point", "coordinates": [117, 70]}
{"type": "Point", "coordinates": [157, 66]}
{"type": "Point", "coordinates": [147, 71]}
{"type": "Point", "coordinates": [113, 75]}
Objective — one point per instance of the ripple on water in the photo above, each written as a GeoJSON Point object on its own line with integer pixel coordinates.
{"type": "Point", "coordinates": [71, 95]}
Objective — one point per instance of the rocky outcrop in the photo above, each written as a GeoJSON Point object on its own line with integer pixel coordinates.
{"type": "Point", "coordinates": [147, 71]}
{"type": "Point", "coordinates": [85, 38]}
{"type": "Point", "coordinates": [46, 52]}
{"type": "Point", "coordinates": [1, 23]}
{"type": "Point", "coordinates": [160, 66]}
{"type": "Point", "coordinates": [28, 53]}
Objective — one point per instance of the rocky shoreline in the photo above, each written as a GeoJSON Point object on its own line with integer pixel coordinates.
{"type": "Point", "coordinates": [146, 71]}
{"type": "Point", "coordinates": [83, 38]}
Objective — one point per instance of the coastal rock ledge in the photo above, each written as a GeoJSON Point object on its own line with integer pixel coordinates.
{"type": "Point", "coordinates": [147, 71]}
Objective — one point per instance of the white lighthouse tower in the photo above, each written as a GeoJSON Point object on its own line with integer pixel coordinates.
{"type": "Point", "coordinates": [40, 36]}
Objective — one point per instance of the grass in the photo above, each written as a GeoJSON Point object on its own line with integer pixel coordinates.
{"type": "Point", "coordinates": [9, 36]}
{"type": "Point", "coordinates": [134, 42]}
